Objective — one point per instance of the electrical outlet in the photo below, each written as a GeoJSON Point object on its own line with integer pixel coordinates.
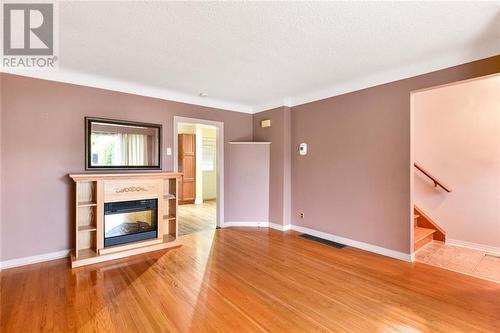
{"type": "Point", "coordinates": [301, 215]}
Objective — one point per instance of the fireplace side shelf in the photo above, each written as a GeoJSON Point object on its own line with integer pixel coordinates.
{"type": "Point", "coordinates": [87, 204]}
{"type": "Point", "coordinates": [86, 216]}
{"type": "Point", "coordinates": [84, 228]}
{"type": "Point", "coordinates": [94, 190]}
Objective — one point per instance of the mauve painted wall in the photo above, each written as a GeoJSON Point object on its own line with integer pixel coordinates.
{"type": "Point", "coordinates": [355, 180]}
{"type": "Point", "coordinates": [457, 138]}
{"type": "Point", "coordinates": [280, 170]}
{"type": "Point", "coordinates": [248, 183]}
{"type": "Point", "coordinates": [42, 134]}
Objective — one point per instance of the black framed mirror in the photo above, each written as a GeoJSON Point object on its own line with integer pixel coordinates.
{"type": "Point", "coordinates": [122, 145]}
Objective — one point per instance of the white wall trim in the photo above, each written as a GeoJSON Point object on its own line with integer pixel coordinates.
{"type": "Point", "coordinates": [474, 246]}
{"type": "Point", "coordinates": [394, 74]}
{"type": "Point", "coordinates": [350, 242]}
{"type": "Point", "coordinates": [379, 78]}
{"type": "Point", "coordinates": [251, 224]}
{"type": "Point", "coordinates": [101, 82]}
{"type": "Point", "coordinates": [264, 224]}
{"type": "Point", "coordinates": [220, 158]}
{"type": "Point", "coordinates": [280, 227]}
{"type": "Point", "coordinates": [339, 88]}
{"type": "Point", "coordinates": [34, 259]}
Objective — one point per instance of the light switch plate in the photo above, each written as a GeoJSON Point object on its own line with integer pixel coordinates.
{"type": "Point", "coordinates": [169, 151]}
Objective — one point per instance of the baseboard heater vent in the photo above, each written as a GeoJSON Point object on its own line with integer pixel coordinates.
{"type": "Point", "coordinates": [323, 241]}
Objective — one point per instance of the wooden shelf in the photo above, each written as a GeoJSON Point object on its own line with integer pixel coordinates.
{"type": "Point", "coordinates": [86, 254]}
{"type": "Point", "coordinates": [169, 217]}
{"type": "Point", "coordinates": [83, 228]}
{"type": "Point", "coordinates": [94, 190]}
{"type": "Point", "coordinates": [87, 204]}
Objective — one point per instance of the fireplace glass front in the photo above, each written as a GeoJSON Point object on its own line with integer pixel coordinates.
{"type": "Point", "coordinates": [130, 221]}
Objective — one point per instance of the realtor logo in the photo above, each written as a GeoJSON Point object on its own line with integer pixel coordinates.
{"type": "Point", "coordinates": [28, 35]}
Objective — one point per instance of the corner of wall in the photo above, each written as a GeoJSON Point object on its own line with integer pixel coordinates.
{"type": "Point", "coordinates": [287, 174]}
{"type": "Point", "coordinates": [280, 182]}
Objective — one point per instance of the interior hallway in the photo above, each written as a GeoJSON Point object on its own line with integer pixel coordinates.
{"type": "Point", "coordinates": [194, 218]}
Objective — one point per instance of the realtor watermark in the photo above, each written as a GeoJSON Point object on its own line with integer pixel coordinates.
{"type": "Point", "coordinates": [29, 35]}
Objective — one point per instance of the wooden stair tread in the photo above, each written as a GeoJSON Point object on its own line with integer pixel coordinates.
{"type": "Point", "coordinates": [424, 221]}
{"type": "Point", "coordinates": [421, 233]}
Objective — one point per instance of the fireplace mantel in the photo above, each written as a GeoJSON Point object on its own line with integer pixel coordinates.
{"type": "Point", "coordinates": [94, 190]}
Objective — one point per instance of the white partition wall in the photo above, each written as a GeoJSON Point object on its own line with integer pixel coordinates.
{"type": "Point", "coordinates": [248, 184]}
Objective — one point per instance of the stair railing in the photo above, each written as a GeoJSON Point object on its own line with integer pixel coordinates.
{"type": "Point", "coordinates": [436, 181]}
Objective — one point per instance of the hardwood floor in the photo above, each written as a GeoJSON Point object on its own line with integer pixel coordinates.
{"type": "Point", "coordinates": [193, 218]}
{"type": "Point", "coordinates": [247, 280]}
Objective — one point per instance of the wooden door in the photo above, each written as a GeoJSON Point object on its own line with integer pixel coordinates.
{"type": "Point", "coordinates": [187, 166]}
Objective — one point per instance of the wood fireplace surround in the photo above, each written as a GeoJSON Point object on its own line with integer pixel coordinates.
{"type": "Point", "coordinates": [94, 191]}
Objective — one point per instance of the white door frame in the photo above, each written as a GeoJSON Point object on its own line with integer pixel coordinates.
{"type": "Point", "coordinates": [219, 162]}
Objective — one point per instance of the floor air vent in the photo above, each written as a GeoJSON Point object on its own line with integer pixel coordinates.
{"type": "Point", "coordinates": [323, 241]}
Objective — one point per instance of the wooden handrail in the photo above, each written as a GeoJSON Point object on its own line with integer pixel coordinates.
{"type": "Point", "coordinates": [434, 179]}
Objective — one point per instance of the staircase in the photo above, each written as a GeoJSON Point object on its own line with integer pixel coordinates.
{"type": "Point", "coordinates": [425, 230]}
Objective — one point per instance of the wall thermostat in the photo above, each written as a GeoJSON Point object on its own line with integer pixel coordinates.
{"type": "Point", "coordinates": [303, 149]}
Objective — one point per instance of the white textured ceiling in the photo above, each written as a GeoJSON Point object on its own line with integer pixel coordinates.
{"type": "Point", "coordinates": [249, 56]}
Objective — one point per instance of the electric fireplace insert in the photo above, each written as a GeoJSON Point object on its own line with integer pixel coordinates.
{"type": "Point", "coordinates": [130, 221]}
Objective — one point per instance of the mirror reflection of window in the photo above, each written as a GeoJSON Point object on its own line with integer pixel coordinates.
{"type": "Point", "coordinates": [123, 145]}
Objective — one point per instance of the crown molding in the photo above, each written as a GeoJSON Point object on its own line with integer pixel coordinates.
{"type": "Point", "coordinates": [395, 74]}
{"type": "Point", "coordinates": [96, 81]}
{"type": "Point", "coordinates": [371, 80]}
{"type": "Point", "coordinates": [383, 77]}
{"type": "Point", "coordinates": [272, 105]}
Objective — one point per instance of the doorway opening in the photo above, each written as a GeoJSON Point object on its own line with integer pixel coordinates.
{"type": "Point", "coordinates": [455, 177]}
{"type": "Point", "coordinates": [198, 157]}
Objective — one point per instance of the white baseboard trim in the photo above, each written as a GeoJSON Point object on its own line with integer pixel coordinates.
{"type": "Point", "coordinates": [474, 246]}
{"type": "Point", "coordinates": [34, 259]}
{"type": "Point", "coordinates": [261, 224]}
{"type": "Point", "coordinates": [346, 241]}
{"type": "Point", "coordinates": [280, 227]}
{"type": "Point", "coordinates": [350, 242]}
{"type": "Point", "coordinates": [198, 201]}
